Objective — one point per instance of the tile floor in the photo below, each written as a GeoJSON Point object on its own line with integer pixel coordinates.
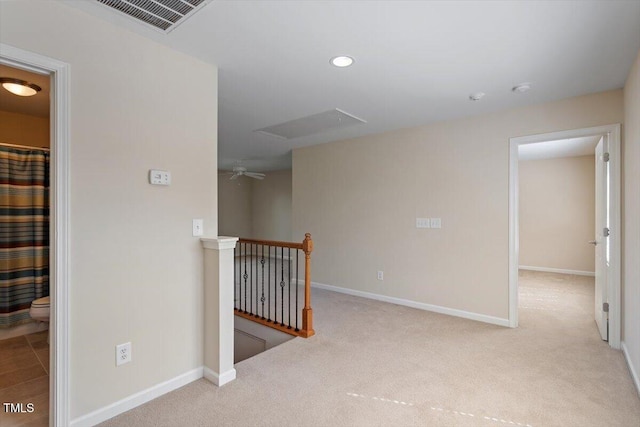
{"type": "Point", "coordinates": [24, 378]}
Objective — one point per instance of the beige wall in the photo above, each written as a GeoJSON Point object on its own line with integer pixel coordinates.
{"type": "Point", "coordinates": [631, 220]}
{"type": "Point", "coordinates": [271, 207]}
{"type": "Point", "coordinates": [557, 213]}
{"type": "Point", "coordinates": [257, 209]}
{"type": "Point", "coordinates": [23, 129]}
{"type": "Point", "coordinates": [234, 206]}
{"type": "Point", "coordinates": [360, 198]}
{"type": "Point", "coordinates": [136, 271]}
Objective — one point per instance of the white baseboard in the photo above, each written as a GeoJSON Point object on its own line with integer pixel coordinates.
{"type": "Point", "coordinates": [220, 379]}
{"type": "Point", "coordinates": [558, 270]}
{"type": "Point", "coordinates": [632, 370]}
{"type": "Point", "coordinates": [414, 304]}
{"type": "Point", "coordinates": [144, 396]}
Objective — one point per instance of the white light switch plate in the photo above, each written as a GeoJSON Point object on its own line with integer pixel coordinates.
{"type": "Point", "coordinates": [422, 223]}
{"type": "Point", "coordinates": [198, 227]}
{"type": "Point", "coordinates": [158, 177]}
{"type": "Point", "coordinates": [436, 223]}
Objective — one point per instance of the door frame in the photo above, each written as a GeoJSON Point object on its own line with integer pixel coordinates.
{"type": "Point", "coordinates": [613, 272]}
{"type": "Point", "coordinates": [59, 222]}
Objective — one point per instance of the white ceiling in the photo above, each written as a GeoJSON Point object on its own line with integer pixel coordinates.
{"type": "Point", "coordinates": [416, 62]}
{"type": "Point", "coordinates": [572, 147]}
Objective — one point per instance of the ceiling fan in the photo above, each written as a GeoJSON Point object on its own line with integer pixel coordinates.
{"type": "Point", "coordinates": [242, 171]}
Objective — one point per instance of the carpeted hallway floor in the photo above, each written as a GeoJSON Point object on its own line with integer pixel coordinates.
{"type": "Point", "coordinates": [378, 364]}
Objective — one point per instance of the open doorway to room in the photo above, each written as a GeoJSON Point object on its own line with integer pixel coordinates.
{"type": "Point", "coordinates": [53, 410]}
{"type": "Point", "coordinates": [25, 247]}
{"type": "Point", "coordinates": [557, 221]}
{"type": "Point", "coordinates": [564, 231]}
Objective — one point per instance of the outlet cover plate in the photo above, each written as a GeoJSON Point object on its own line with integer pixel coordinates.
{"type": "Point", "coordinates": [123, 353]}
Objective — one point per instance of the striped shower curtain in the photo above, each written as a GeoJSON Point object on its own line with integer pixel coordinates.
{"type": "Point", "coordinates": [24, 232]}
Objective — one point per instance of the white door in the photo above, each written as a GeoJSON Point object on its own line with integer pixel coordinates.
{"type": "Point", "coordinates": [601, 241]}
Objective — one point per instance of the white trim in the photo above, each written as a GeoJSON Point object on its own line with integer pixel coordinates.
{"type": "Point", "coordinates": [137, 399]}
{"type": "Point", "coordinates": [613, 272]}
{"type": "Point", "coordinates": [60, 221]}
{"type": "Point", "coordinates": [220, 379]}
{"type": "Point", "coordinates": [514, 235]}
{"type": "Point", "coordinates": [632, 370]}
{"type": "Point", "coordinates": [414, 304]}
{"type": "Point", "coordinates": [615, 238]}
{"type": "Point", "coordinates": [222, 242]}
{"type": "Point", "coordinates": [558, 270]}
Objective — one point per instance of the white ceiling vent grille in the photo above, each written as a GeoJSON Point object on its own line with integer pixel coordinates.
{"type": "Point", "coordinates": [315, 123]}
{"type": "Point", "coordinates": [161, 14]}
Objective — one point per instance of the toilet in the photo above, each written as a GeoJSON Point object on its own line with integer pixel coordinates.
{"type": "Point", "coordinates": [40, 309]}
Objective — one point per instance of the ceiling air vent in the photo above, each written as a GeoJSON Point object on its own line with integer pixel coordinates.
{"type": "Point", "coordinates": [161, 14]}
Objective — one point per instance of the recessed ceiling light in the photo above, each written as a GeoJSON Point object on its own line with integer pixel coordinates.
{"type": "Point", "coordinates": [476, 96]}
{"type": "Point", "coordinates": [341, 61]}
{"type": "Point", "coordinates": [521, 88]}
{"type": "Point", "coordinates": [19, 87]}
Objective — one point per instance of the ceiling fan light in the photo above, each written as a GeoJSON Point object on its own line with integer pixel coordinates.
{"type": "Point", "coordinates": [19, 87]}
{"type": "Point", "coordinates": [242, 171]}
{"type": "Point", "coordinates": [521, 88]}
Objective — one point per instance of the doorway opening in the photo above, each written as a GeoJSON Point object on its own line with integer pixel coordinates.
{"type": "Point", "coordinates": [24, 271]}
{"type": "Point", "coordinates": [58, 75]}
{"type": "Point", "coordinates": [597, 149]}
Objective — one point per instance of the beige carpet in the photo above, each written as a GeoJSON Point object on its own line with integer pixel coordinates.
{"type": "Point", "coordinates": [378, 364]}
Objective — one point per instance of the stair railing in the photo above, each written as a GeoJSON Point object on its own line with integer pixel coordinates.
{"type": "Point", "coordinates": [267, 286]}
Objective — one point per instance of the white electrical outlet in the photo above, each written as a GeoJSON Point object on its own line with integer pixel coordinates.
{"type": "Point", "coordinates": [380, 275]}
{"type": "Point", "coordinates": [123, 353]}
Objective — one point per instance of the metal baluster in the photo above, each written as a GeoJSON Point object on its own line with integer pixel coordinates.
{"type": "Point", "coordinates": [297, 252]}
{"type": "Point", "coordinates": [254, 282]}
{"type": "Point", "coordinates": [262, 294]}
{"type": "Point", "coordinates": [253, 254]}
{"type": "Point", "coordinates": [289, 282]}
{"type": "Point", "coordinates": [257, 279]}
{"type": "Point", "coordinates": [282, 285]}
{"type": "Point", "coordinates": [269, 284]}
{"type": "Point", "coordinates": [275, 286]}
{"type": "Point", "coordinates": [245, 276]}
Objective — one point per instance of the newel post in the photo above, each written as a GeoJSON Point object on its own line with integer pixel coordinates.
{"type": "Point", "coordinates": [218, 309]}
{"type": "Point", "coordinates": [307, 311]}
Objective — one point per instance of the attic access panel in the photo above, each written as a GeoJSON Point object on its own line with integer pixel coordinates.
{"type": "Point", "coordinates": [315, 123]}
{"type": "Point", "coordinates": [161, 14]}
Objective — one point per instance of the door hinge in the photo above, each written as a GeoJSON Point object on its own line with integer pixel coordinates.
{"type": "Point", "coordinates": [605, 157]}
{"type": "Point", "coordinates": [606, 232]}
{"type": "Point", "coordinates": [605, 307]}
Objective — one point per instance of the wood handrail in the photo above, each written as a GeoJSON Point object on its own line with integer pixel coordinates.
{"type": "Point", "coordinates": [304, 333]}
{"type": "Point", "coordinates": [277, 243]}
